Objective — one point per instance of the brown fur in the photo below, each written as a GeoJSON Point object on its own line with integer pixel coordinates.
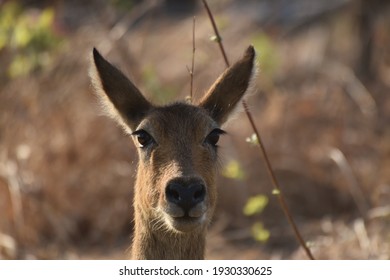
{"type": "Point", "coordinates": [180, 156]}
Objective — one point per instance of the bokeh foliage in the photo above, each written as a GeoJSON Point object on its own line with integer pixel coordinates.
{"type": "Point", "coordinates": [28, 36]}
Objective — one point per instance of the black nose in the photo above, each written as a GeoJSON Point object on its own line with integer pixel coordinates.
{"type": "Point", "coordinates": [185, 196]}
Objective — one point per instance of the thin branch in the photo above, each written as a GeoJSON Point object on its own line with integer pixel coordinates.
{"type": "Point", "coordinates": [218, 37]}
{"type": "Point", "coordinates": [191, 71]}
{"type": "Point", "coordinates": [193, 59]}
{"type": "Point", "coordinates": [277, 191]}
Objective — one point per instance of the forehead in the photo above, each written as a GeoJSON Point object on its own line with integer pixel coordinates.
{"type": "Point", "coordinates": [178, 118]}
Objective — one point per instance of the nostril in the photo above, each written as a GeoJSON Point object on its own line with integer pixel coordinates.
{"type": "Point", "coordinates": [199, 192]}
{"type": "Point", "coordinates": [173, 193]}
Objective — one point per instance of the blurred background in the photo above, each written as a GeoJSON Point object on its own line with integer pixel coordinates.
{"type": "Point", "coordinates": [321, 104]}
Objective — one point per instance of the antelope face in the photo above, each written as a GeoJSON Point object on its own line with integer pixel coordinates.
{"type": "Point", "coordinates": [178, 154]}
{"type": "Point", "coordinates": [177, 144]}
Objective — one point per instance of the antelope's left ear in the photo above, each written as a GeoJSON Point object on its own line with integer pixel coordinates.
{"type": "Point", "coordinates": [227, 91]}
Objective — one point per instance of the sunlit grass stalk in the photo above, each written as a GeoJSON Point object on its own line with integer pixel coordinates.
{"type": "Point", "coordinates": [276, 191]}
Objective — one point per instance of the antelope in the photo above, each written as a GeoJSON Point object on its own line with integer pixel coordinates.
{"type": "Point", "coordinates": [175, 191]}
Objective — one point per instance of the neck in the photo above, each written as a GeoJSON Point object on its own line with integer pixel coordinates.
{"type": "Point", "coordinates": [155, 242]}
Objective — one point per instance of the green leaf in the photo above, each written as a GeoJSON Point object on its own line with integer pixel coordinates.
{"type": "Point", "coordinates": [46, 18]}
{"type": "Point", "coordinates": [233, 170]}
{"type": "Point", "coordinates": [259, 232]}
{"type": "Point", "coordinates": [22, 34]}
{"type": "Point", "coordinates": [255, 205]}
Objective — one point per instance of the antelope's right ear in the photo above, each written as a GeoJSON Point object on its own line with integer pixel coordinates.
{"type": "Point", "coordinates": [121, 99]}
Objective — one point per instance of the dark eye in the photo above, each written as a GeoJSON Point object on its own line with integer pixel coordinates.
{"type": "Point", "coordinates": [213, 137]}
{"type": "Point", "coordinates": [143, 138]}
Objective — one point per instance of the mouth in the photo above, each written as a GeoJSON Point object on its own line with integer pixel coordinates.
{"type": "Point", "coordinates": [187, 223]}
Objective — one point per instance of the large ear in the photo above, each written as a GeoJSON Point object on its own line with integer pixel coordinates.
{"type": "Point", "coordinates": [121, 99]}
{"type": "Point", "coordinates": [230, 87]}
